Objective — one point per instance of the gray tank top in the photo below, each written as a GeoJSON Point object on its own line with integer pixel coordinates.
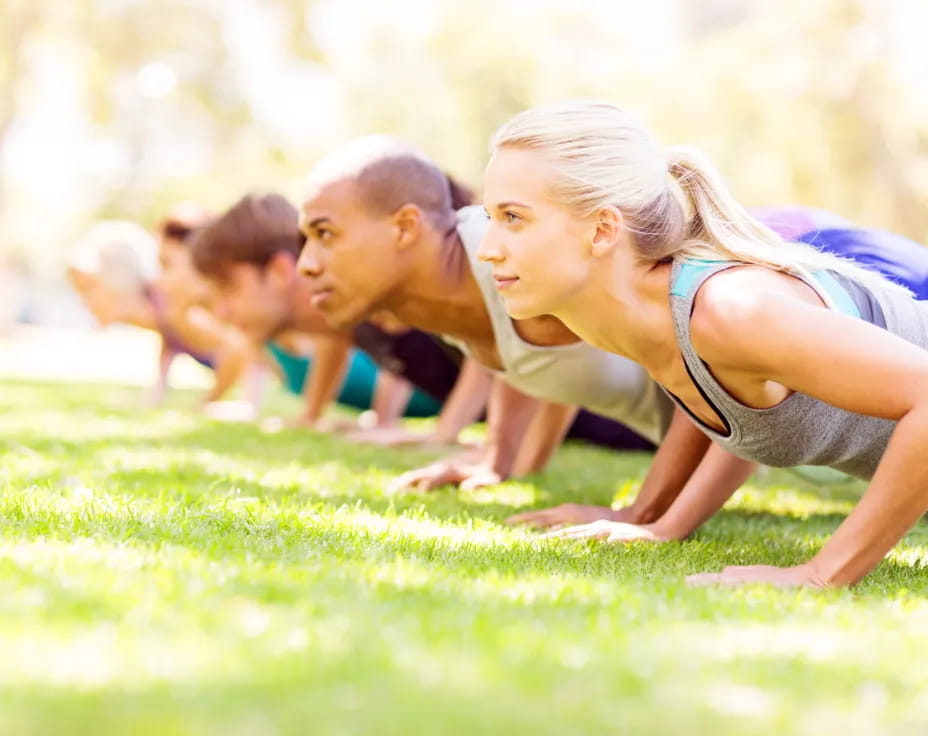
{"type": "Point", "coordinates": [800, 430]}
{"type": "Point", "coordinates": [577, 374]}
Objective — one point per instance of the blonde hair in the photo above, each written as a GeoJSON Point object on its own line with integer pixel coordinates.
{"type": "Point", "coordinates": [123, 255]}
{"type": "Point", "coordinates": [671, 199]}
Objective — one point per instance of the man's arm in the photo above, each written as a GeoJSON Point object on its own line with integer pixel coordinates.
{"type": "Point", "coordinates": [330, 359]}
{"type": "Point", "coordinates": [509, 414]}
{"type": "Point", "coordinates": [462, 408]}
{"type": "Point", "coordinates": [544, 435]}
{"type": "Point", "coordinates": [391, 395]}
{"type": "Point", "coordinates": [466, 401]}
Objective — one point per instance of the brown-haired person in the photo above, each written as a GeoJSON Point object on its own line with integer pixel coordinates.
{"type": "Point", "coordinates": [249, 255]}
{"type": "Point", "coordinates": [115, 270]}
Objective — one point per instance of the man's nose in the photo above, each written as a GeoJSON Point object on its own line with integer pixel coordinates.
{"type": "Point", "coordinates": [308, 265]}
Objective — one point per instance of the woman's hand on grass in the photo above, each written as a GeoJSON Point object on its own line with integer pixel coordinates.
{"type": "Point", "coordinates": [571, 513]}
{"type": "Point", "coordinates": [612, 531]}
{"type": "Point", "coordinates": [780, 577]}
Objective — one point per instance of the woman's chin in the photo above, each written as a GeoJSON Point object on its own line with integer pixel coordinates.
{"type": "Point", "coordinates": [521, 309]}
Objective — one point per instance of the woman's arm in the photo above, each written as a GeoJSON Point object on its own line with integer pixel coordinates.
{"type": "Point", "coordinates": [680, 453]}
{"type": "Point", "coordinates": [716, 479]}
{"type": "Point", "coordinates": [753, 336]}
{"type": "Point", "coordinates": [206, 334]}
{"type": "Point", "coordinates": [165, 358]}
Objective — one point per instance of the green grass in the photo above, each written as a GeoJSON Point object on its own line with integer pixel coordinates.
{"type": "Point", "coordinates": [162, 574]}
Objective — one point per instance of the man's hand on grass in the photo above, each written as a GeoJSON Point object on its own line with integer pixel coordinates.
{"type": "Point", "coordinates": [468, 476]}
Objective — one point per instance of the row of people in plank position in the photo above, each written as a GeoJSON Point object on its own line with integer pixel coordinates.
{"type": "Point", "coordinates": [608, 289]}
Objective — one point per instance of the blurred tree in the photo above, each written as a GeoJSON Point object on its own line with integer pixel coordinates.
{"type": "Point", "coordinates": [160, 100]}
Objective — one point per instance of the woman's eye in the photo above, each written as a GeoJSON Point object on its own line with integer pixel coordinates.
{"type": "Point", "coordinates": [324, 235]}
{"type": "Point", "coordinates": [511, 217]}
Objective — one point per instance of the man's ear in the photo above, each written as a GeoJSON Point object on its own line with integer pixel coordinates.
{"type": "Point", "coordinates": [408, 221]}
{"type": "Point", "coordinates": [609, 229]}
{"type": "Point", "coordinates": [280, 270]}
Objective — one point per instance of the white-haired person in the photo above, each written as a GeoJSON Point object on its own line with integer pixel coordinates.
{"type": "Point", "coordinates": [772, 351]}
{"type": "Point", "coordinates": [115, 270]}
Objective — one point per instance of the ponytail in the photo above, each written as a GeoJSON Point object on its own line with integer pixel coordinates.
{"type": "Point", "coordinates": [673, 202]}
{"type": "Point", "coordinates": [721, 228]}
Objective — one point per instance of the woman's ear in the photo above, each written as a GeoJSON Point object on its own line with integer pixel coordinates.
{"type": "Point", "coordinates": [609, 230]}
{"type": "Point", "coordinates": [408, 222]}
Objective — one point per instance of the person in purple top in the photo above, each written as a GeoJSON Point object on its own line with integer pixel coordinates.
{"type": "Point", "coordinates": [792, 221]}
{"type": "Point", "coordinates": [896, 257]}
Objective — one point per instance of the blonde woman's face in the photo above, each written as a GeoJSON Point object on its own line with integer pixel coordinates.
{"type": "Point", "coordinates": [540, 250]}
{"type": "Point", "coordinates": [106, 304]}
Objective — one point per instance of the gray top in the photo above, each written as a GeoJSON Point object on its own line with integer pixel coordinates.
{"type": "Point", "coordinates": [577, 374]}
{"type": "Point", "coordinates": [800, 430]}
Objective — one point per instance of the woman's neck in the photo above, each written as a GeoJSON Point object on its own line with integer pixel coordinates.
{"type": "Point", "coordinates": [627, 312]}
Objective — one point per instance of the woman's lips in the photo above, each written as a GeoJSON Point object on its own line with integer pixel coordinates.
{"type": "Point", "coordinates": [504, 282]}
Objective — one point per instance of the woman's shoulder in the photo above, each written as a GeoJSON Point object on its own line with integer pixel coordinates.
{"type": "Point", "coordinates": [734, 308]}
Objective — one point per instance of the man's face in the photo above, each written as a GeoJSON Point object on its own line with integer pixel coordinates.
{"type": "Point", "coordinates": [351, 257]}
{"type": "Point", "coordinates": [255, 300]}
{"type": "Point", "coordinates": [179, 280]}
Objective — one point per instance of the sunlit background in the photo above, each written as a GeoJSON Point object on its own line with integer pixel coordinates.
{"type": "Point", "coordinates": [121, 108]}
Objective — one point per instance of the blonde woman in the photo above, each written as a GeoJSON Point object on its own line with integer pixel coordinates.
{"type": "Point", "coordinates": [772, 351]}
{"type": "Point", "coordinates": [115, 270]}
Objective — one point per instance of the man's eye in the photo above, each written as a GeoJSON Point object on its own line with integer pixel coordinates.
{"type": "Point", "coordinates": [324, 235]}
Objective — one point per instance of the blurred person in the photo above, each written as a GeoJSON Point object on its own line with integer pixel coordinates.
{"type": "Point", "coordinates": [362, 256]}
{"type": "Point", "coordinates": [248, 255]}
{"type": "Point", "coordinates": [115, 270]}
{"type": "Point", "coordinates": [771, 350]}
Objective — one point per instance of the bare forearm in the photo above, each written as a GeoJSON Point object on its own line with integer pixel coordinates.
{"type": "Point", "coordinates": [328, 369]}
{"type": "Point", "coordinates": [544, 436]}
{"type": "Point", "coordinates": [230, 366]}
{"type": "Point", "coordinates": [896, 499]}
{"type": "Point", "coordinates": [510, 413]}
{"type": "Point", "coordinates": [466, 401]}
{"type": "Point", "coordinates": [165, 359]}
{"type": "Point", "coordinates": [391, 395]}
{"type": "Point", "coordinates": [256, 379]}
{"type": "Point", "coordinates": [675, 461]}
{"type": "Point", "coordinates": [716, 479]}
